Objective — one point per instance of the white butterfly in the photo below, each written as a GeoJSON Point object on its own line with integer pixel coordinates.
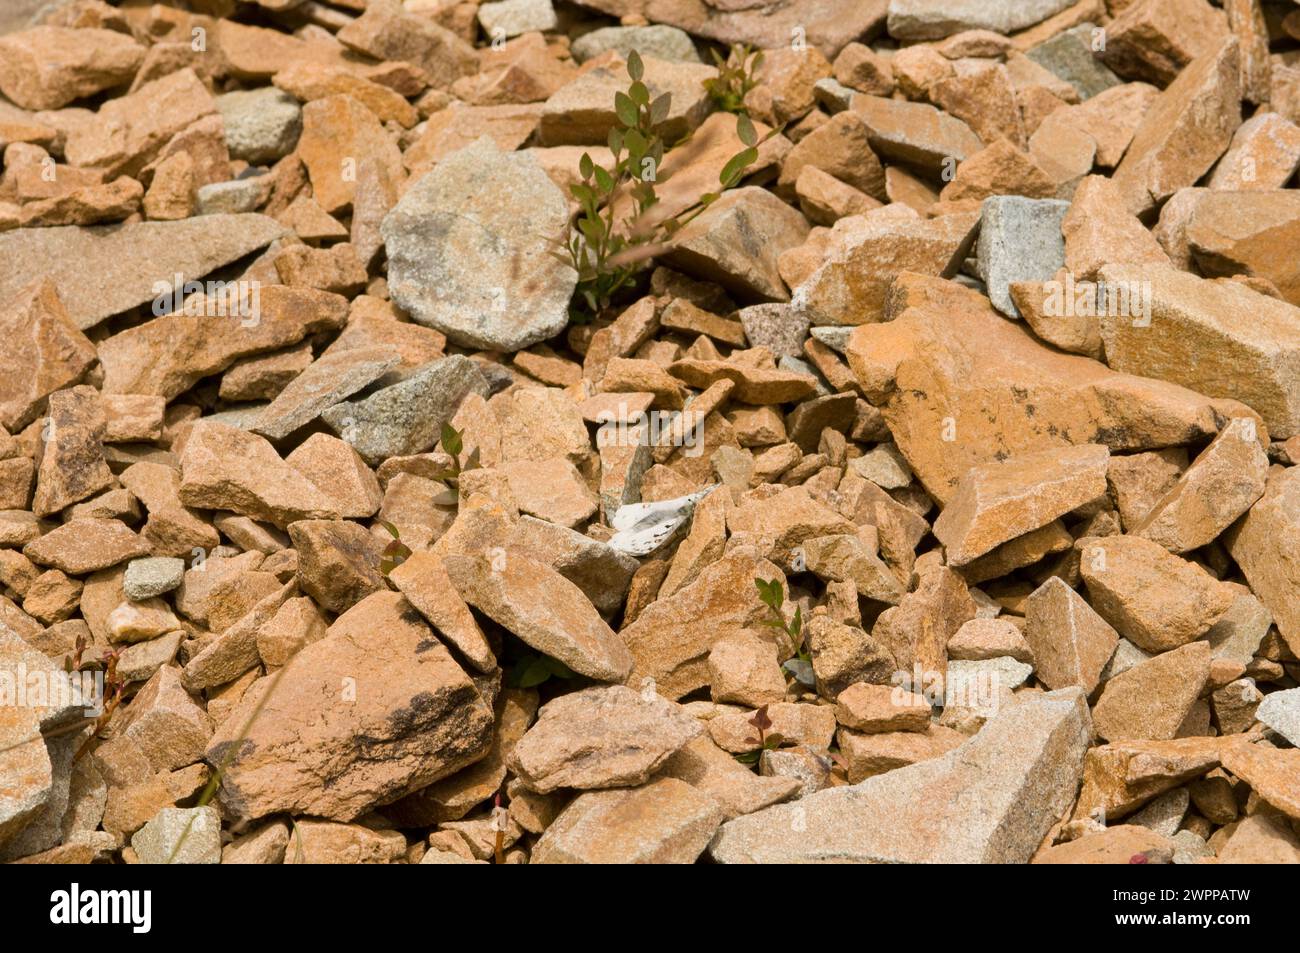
{"type": "Point", "coordinates": [644, 527]}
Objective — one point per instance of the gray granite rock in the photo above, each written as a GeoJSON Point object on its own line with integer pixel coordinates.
{"type": "Point", "coordinates": [469, 250]}
{"type": "Point", "coordinates": [262, 125]}
{"type": "Point", "coordinates": [180, 835]}
{"type": "Point", "coordinates": [777, 327]}
{"type": "Point", "coordinates": [936, 19]}
{"type": "Point", "coordinates": [1069, 55]}
{"type": "Point", "coordinates": [661, 42]}
{"type": "Point", "coordinates": [1020, 240]}
{"type": "Point", "coordinates": [407, 417]}
{"type": "Point", "coordinates": [152, 576]}
{"type": "Point", "coordinates": [1281, 712]}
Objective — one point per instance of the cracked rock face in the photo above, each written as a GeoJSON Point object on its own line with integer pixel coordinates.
{"type": "Point", "coordinates": [452, 435]}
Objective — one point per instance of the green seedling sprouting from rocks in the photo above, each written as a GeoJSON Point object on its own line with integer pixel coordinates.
{"type": "Point", "coordinates": [609, 249]}
{"type": "Point", "coordinates": [735, 77]}
{"type": "Point", "coordinates": [761, 721]}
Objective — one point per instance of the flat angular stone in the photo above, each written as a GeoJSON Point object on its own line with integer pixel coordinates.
{"type": "Point", "coordinates": [180, 835]}
{"type": "Point", "coordinates": [1154, 41]}
{"type": "Point", "coordinates": [405, 695]}
{"type": "Point", "coordinates": [73, 465]}
{"type": "Point", "coordinates": [1267, 548]}
{"type": "Point", "coordinates": [338, 561]}
{"type": "Point", "coordinates": [389, 33]}
{"type": "Point", "coordinates": [1100, 231]}
{"type": "Point", "coordinates": [468, 250]}
{"type": "Point", "coordinates": [709, 769]}
{"type": "Point", "coordinates": [262, 125]}
{"type": "Point", "coordinates": [407, 417]}
{"type": "Point", "coordinates": [1281, 712]}
{"type": "Point", "coordinates": [664, 822]}
{"type": "Point", "coordinates": [1273, 773]}
{"type": "Point", "coordinates": [339, 128]}
{"type": "Point", "coordinates": [1186, 129]}
{"type": "Point", "coordinates": [327, 381]}
{"type": "Point", "coordinates": [82, 546]}
{"type": "Point", "coordinates": [825, 24]}
{"type": "Point", "coordinates": [997, 502]}
{"type": "Point", "coordinates": [1151, 597]}
{"type": "Point", "coordinates": [598, 569]}
{"type": "Point", "coordinates": [604, 737]}
{"type": "Point", "coordinates": [1071, 643]}
{"type": "Point", "coordinates": [1150, 701]}
{"type": "Point", "coordinates": [543, 609]}
{"type": "Point", "coordinates": [1264, 154]}
{"type": "Point", "coordinates": [915, 133]}
{"type": "Point", "coordinates": [45, 352]}
{"type": "Point", "coordinates": [936, 19]}
{"type": "Point", "coordinates": [736, 243]}
{"type": "Point", "coordinates": [224, 468]}
{"type": "Point", "coordinates": [1220, 485]}
{"type": "Point", "coordinates": [423, 579]}
{"type": "Point", "coordinates": [991, 800]}
{"type": "Point", "coordinates": [1255, 234]}
{"type": "Point", "coordinates": [338, 472]}
{"type": "Point", "coordinates": [1256, 363]}
{"type": "Point", "coordinates": [48, 67]}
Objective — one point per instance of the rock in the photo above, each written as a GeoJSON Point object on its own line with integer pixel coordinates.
{"type": "Point", "coordinates": [602, 572]}
{"type": "Point", "coordinates": [1186, 315]}
{"type": "Point", "coordinates": [389, 33]}
{"type": "Point", "coordinates": [25, 768]}
{"type": "Point", "coordinates": [1269, 771]}
{"type": "Point", "coordinates": [843, 655]}
{"type": "Point", "coordinates": [851, 284]}
{"type": "Point", "coordinates": [48, 67]}
{"type": "Point", "coordinates": [326, 382]}
{"type": "Point", "coordinates": [991, 800]}
{"type": "Point", "coordinates": [940, 419]}
{"type": "Point", "coordinates": [1151, 597]}
{"type": "Point", "coordinates": [339, 472]}
{"type": "Point", "coordinates": [932, 20]}
{"type": "Point", "coordinates": [307, 82]}
{"type": "Point", "coordinates": [1099, 231]}
{"type": "Point", "coordinates": [85, 545]}
{"type": "Point", "coordinates": [423, 579]}
{"type": "Point", "coordinates": [582, 111]}
{"type": "Point", "coordinates": [480, 271]}
{"type": "Point", "coordinates": [1253, 234]}
{"type": "Point", "coordinates": [671, 639]}
{"type": "Point", "coordinates": [840, 149]}
{"type": "Point", "coordinates": [180, 835]}
{"type": "Point", "coordinates": [1220, 485]}
{"type": "Point", "coordinates": [152, 576]}
{"type": "Point", "coordinates": [505, 18]}
{"type": "Point", "coordinates": [664, 822]}
{"type": "Point", "coordinates": [744, 670]}
{"type": "Point", "coordinates": [997, 502]}
{"type": "Point", "coordinates": [170, 729]}
{"type": "Point", "coordinates": [655, 41]}
{"type": "Point", "coordinates": [1115, 845]}
{"type": "Point", "coordinates": [736, 243]}
{"type": "Point", "coordinates": [1281, 712]}
{"type": "Point", "coordinates": [1155, 41]}
{"type": "Point", "coordinates": [72, 466]}
{"type": "Point", "coordinates": [340, 126]}
{"type": "Point", "coordinates": [1118, 778]}
{"type": "Point", "coordinates": [1070, 56]}
{"type": "Point", "coordinates": [543, 609]}
{"type": "Point", "coordinates": [1264, 546]}
{"type": "Point", "coordinates": [551, 490]}
{"type": "Point", "coordinates": [262, 125]}
{"type": "Point", "coordinates": [876, 709]}
{"type": "Point", "coordinates": [402, 693]}
{"type": "Point", "coordinates": [324, 842]}
{"type": "Point", "coordinates": [407, 417]}
{"type": "Point", "coordinates": [1070, 642]}
{"type": "Point", "coordinates": [869, 755]}
{"type": "Point", "coordinates": [792, 724]}
{"type": "Point", "coordinates": [1151, 700]}
{"type": "Point", "coordinates": [1261, 839]}
{"type": "Point", "coordinates": [1264, 154]}
{"type": "Point", "coordinates": [126, 263]}
{"type": "Point", "coordinates": [981, 639]}
{"type": "Point", "coordinates": [1020, 240]}
{"type": "Point", "coordinates": [46, 352]}
{"type": "Point", "coordinates": [223, 468]}
{"type": "Point", "coordinates": [338, 561]}
{"type": "Point", "coordinates": [825, 24]}
{"type": "Point", "coordinates": [754, 384]}
{"type": "Point", "coordinates": [610, 736]}
{"type": "Point", "coordinates": [1186, 129]}
{"type": "Point", "coordinates": [915, 133]}
{"type": "Point", "coordinates": [714, 772]}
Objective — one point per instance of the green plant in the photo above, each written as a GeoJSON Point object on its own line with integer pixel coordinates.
{"type": "Point", "coordinates": [772, 595]}
{"type": "Point", "coordinates": [735, 76]}
{"type": "Point", "coordinates": [395, 553]}
{"type": "Point", "coordinates": [531, 670]}
{"type": "Point", "coordinates": [453, 443]}
{"type": "Point", "coordinates": [609, 248]}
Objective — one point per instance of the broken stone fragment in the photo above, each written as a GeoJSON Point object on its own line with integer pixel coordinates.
{"type": "Point", "coordinates": [45, 351]}
{"type": "Point", "coordinates": [997, 502]}
{"type": "Point", "coordinates": [387, 681]}
{"type": "Point", "coordinates": [602, 737]}
{"type": "Point", "coordinates": [223, 468]}
{"type": "Point", "coordinates": [543, 609]}
{"type": "Point", "coordinates": [1151, 700]}
{"type": "Point", "coordinates": [1070, 642]}
{"type": "Point", "coordinates": [1020, 240]}
{"type": "Point", "coordinates": [991, 800]}
{"type": "Point", "coordinates": [1266, 545]}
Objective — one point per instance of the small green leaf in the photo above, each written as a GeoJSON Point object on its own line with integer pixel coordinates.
{"type": "Point", "coordinates": [604, 180]}
{"type": "Point", "coordinates": [660, 108]}
{"type": "Point", "coordinates": [735, 167]}
{"type": "Point", "coordinates": [451, 441]}
{"type": "Point", "coordinates": [625, 110]}
{"type": "Point", "coordinates": [585, 165]}
{"type": "Point", "coordinates": [534, 673]}
{"type": "Point", "coordinates": [745, 130]}
{"type": "Point", "coordinates": [635, 68]}
{"type": "Point", "coordinates": [638, 93]}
